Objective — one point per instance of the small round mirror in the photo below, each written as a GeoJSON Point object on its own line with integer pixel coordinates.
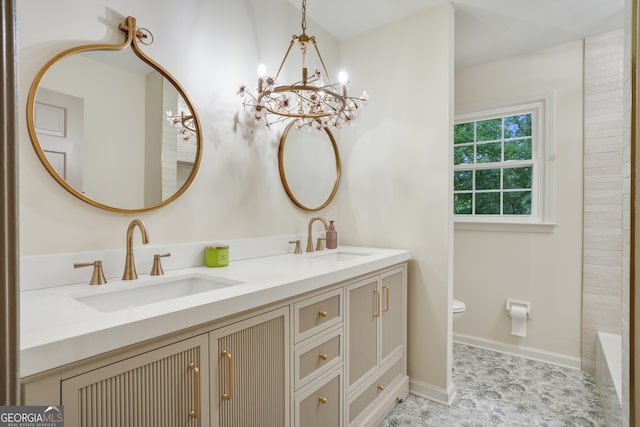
{"type": "Point", "coordinates": [98, 120]}
{"type": "Point", "coordinates": [309, 164]}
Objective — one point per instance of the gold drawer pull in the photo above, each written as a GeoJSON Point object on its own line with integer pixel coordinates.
{"type": "Point", "coordinates": [380, 387]}
{"type": "Point", "coordinates": [323, 400]}
{"type": "Point", "coordinates": [322, 313]}
{"type": "Point", "coordinates": [229, 395]}
{"type": "Point", "coordinates": [324, 356]}
{"type": "Point", "coordinates": [196, 387]}
{"type": "Point", "coordinates": [377, 294]}
{"type": "Point", "coordinates": [386, 307]}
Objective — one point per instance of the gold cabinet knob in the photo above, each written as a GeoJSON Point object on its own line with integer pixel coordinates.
{"type": "Point", "coordinates": [323, 400]}
{"type": "Point", "coordinates": [323, 356]}
{"type": "Point", "coordinates": [380, 387]}
{"type": "Point", "coordinates": [322, 313]}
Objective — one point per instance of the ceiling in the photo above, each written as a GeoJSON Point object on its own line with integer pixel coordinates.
{"type": "Point", "coordinates": [484, 29]}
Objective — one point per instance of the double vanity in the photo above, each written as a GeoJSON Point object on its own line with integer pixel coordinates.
{"type": "Point", "coordinates": [284, 339]}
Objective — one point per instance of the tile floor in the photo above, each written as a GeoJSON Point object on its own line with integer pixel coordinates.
{"type": "Point", "coordinates": [495, 389]}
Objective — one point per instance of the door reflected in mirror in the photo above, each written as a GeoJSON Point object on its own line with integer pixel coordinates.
{"type": "Point", "coordinates": [309, 164]}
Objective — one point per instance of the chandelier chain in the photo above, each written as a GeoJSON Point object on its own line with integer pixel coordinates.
{"type": "Point", "coordinates": [304, 16]}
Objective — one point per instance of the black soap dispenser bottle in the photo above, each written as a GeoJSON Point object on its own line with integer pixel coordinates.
{"type": "Point", "coordinates": [332, 236]}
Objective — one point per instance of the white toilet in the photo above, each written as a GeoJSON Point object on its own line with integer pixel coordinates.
{"type": "Point", "coordinates": [458, 309]}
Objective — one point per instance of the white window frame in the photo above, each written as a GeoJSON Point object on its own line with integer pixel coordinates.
{"type": "Point", "coordinates": [542, 127]}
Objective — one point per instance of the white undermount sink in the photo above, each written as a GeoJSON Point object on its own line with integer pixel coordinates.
{"type": "Point", "coordinates": [338, 255]}
{"type": "Point", "coordinates": [132, 294]}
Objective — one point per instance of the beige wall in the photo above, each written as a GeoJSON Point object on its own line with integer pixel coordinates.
{"type": "Point", "coordinates": [397, 184]}
{"type": "Point", "coordinates": [543, 268]}
{"type": "Point", "coordinates": [211, 48]}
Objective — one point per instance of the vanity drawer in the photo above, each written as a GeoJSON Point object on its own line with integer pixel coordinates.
{"type": "Point", "coordinates": [375, 389]}
{"type": "Point", "coordinates": [318, 356]}
{"type": "Point", "coordinates": [317, 314]}
{"type": "Point", "coordinates": [321, 404]}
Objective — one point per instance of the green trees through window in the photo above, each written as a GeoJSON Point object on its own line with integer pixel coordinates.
{"type": "Point", "coordinates": [493, 166]}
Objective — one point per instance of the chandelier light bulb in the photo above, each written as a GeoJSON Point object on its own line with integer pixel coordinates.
{"type": "Point", "coordinates": [262, 69]}
{"type": "Point", "coordinates": [343, 78]}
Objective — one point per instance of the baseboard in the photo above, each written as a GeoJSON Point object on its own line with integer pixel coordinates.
{"type": "Point", "coordinates": [522, 351]}
{"type": "Point", "coordinates": [431, 392]}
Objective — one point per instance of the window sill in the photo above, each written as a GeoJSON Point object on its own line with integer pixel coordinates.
{"type": "Point", "coordinates": [524, 227]}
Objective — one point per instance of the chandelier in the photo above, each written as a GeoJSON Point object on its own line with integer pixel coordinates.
{"type": "Point", "coordinates": [184, 124]}
{"type": "Point", "coordinates": [310, 101]}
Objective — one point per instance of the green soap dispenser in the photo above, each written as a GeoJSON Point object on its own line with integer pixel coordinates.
{"type": "Point", "coordinates": [332, 236]}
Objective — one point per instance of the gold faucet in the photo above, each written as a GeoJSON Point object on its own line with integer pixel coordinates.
{"type": "Point", "coordinates": [97, 277]}
{"type": "Point", "coordinates": [309, 238]}
{"type": "Point", "coordinates": [129, 264]}
{"type": "Point", "coordinates": [297, 250]}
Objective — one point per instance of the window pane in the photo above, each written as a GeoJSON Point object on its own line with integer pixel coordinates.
{"type": "Point", "coordinates": [463, 154]}
{"type": "Point", "coordinates": [517, 126]}
{"type": "Point", "coordinates": [488, 179]}
{"type": "Point", "coordinates": [489, 130]}
{"type": "Point", "coordinates": [487, 153]}
{"type": "Point", "coordinates": [517, 177]}
{"type": "Point", "coordinates": [463, 133]}
{"type": "Point", "coordinates": [517, 203]}
{"type": "Point", "coordinates": [488, 203]}
{"type": "Point", "coordinates": [463, 180]}
{"type": "Point", "coordinates": [462, 203]}
{"type": "Point", "coordinates": [519, 149]}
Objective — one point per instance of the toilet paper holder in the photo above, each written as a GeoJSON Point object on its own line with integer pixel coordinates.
{"type": "Point", "coordinates": [514, 303]}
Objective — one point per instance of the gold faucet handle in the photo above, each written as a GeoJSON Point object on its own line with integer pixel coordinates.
{"type": "Point", "coordinates": [97, 277]}
{"type": "Point", "coordinates": [319, 244]}
{"type": "Point", "coordinates": [298, 249]}
{"type": "Point", "coordinates": [157, 270]}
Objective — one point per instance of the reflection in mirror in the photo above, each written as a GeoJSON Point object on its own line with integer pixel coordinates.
{"type": "Point", "coordinates": [100, 118]}
{"type": "Point", "coordinates": [309, 164]}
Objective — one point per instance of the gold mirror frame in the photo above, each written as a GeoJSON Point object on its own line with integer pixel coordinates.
{"type": "Point", "coordinates": [283, 178]}
{"type": "Point", "coordinates": [134, 35]}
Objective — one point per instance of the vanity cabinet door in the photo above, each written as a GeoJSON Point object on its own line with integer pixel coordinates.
{"type": "Point", "coordinates": [376, 324]}
{"type": "Point", "coordinates": [391, 314]}
{"type": "Point", "coordinates": [363, 313]}
{"type": "Point", "coordinates": [164, 387]}
{"type": "Point", "coordinates": [250, 372]}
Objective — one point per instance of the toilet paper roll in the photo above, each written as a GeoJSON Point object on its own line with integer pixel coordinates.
{"type": "Point", "coordinates": [518, 321]}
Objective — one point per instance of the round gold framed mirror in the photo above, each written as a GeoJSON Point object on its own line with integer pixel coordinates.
{"type": "Point", "coordinates": [309, 164]}
{"type": "Point", "coordinates": [113, 127]}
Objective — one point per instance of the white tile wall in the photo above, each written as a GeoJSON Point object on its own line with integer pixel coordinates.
{"type": "Point", "coordinates": [626, 191]}
{"type": "Point", "coordinates": [607, 194]}
{"type": "Point", "coordinates": [603, 190]}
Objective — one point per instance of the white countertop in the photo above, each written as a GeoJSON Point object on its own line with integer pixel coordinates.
{"type": "Point", "coordinates": [56, 329]}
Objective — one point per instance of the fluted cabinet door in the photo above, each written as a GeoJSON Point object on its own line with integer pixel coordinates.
{"type": "Point", "coordinates": [164, 387]}
{"type": "Point", "coordinates": [250, 372]}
